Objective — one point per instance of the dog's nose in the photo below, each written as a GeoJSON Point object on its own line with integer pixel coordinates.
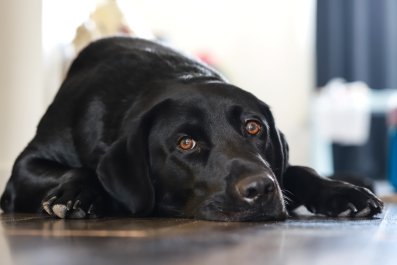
{"type": "Point", "coordinates": [252, 188]}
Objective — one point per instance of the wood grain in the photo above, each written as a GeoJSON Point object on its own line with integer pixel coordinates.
{"type": "Point", "coordinates": [33, 239]}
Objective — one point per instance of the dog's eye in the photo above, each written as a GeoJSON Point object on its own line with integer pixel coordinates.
{"type": "Point", "coordinates": [186, 143]}
{"type": "Point", "coordinates": [253, 127]}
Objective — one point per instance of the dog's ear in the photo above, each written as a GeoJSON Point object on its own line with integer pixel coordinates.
{"type": "Point", "coordinates": [123, 172]}
{"type": "Point", "coordinates": [278, 148]}
{"type": "Point", "coordinates": [284, 152]}
{"type": "Point", "coordinates": [124, 169]}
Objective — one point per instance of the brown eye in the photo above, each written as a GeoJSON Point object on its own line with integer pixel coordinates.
{"type": "Point", "coordinates": [253, 127]}
{"type": "Point", "coordinates": [186, 143]}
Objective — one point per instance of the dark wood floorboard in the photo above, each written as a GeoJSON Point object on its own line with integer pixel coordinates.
{"type": "Point", "coordinates": [29, 239]}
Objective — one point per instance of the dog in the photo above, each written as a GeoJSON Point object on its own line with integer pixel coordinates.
{"type": "Point", "coordinates": [139, 129]}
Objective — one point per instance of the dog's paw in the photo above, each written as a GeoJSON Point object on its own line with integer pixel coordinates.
{"type": "Point", "coordinates": [68, 202]}
{"type": "Point", "coordinates": [341, 199]}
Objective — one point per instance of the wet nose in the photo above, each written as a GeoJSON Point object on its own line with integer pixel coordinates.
{"type": "Point", "coordinates": [251, 188]}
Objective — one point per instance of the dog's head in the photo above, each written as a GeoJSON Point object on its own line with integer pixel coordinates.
{"type": "Point", "coordinates": [209, 151]}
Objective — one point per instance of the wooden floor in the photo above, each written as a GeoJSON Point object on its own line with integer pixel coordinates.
{"type": "Point", "coordinates": [27, 239]}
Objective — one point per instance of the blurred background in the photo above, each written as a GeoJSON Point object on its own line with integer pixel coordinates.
{"type": "Point", "coordinates": [328, 68]}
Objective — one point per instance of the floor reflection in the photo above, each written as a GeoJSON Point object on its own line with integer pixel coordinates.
{"type": "Point", "coordinates": [300, 240]}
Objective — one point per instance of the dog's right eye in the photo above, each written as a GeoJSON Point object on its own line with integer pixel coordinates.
{"type": "Point", "coordinates": [253, 127]}
{"type": "Point", "coordinates": [186, 143]}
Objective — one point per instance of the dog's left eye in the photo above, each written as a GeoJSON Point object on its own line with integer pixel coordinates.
{"type": "Point", "coordinates": [186, 143]}
{"type": "Point", "coordinates": [253, 127]}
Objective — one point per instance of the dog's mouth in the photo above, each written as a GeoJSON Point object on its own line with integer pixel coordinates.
{"type": "Point", "coordinates": [214, 211]}
{"type": "Point", "coordinates": [244, 216]}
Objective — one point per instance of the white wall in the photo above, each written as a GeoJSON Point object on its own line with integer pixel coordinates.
{"type": "Point", "coordinates": [265, 46]}
{"type": "Point", "coordinates": [21, 93]}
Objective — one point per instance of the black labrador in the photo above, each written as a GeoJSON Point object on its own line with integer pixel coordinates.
{"type": "Point", "coordinates": [140, 129]}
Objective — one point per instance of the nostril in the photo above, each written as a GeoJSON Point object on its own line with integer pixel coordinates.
{"type": "Point", "coordinates": [251, 188]}
{"type": "Point", "coordinates": [251, 193]}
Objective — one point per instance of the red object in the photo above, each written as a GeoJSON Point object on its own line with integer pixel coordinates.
{"type": "Point", "coordinates": [207, 58]}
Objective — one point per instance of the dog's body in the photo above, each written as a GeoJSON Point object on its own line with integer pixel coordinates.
{"type": "Point", "coordinates": [138, 128]}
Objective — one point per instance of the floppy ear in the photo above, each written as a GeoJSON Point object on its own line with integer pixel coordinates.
{"type": "Point", "coordinates": [124, 169]}
{"type": "Point", "coordinates": [279, 147]}
{"type": "Point", "coordinates": [283, 155]}
{"type": "Point", "coordinates": [124, 173]}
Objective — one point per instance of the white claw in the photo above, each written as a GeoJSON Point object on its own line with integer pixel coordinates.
{"type": "Point", "coordinates": [60, 210]}
{"type": "Point", "coordinates": [352, 207]}
{"type": "Point", "coordinates": [90, 210]}
{"type": "Point", "coordinates": [47, 205]}
{"type": "Point", "coordinates": [345, 213]}
{"type": "Point", "coordinates": [69, 205]}
{"type": "Point", "coordinates": [364, 212]}
{"type": "Point", "coordinates": [373, 204]}
{"type": "Point", "coordinates": [76, 205]}
{"type": "Point", "coordinates": [77, 214]}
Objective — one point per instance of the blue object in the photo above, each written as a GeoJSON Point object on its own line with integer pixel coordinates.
{"type": "Point", "coordinates": [393, 149]}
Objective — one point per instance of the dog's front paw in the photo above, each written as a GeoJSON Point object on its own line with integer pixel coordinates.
{"type": "Point", "coordinates": [341, 199]}
{"type": "Point", "coordinates": [66, 201]}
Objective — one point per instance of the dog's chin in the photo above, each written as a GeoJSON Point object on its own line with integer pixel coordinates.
{"type": "Point", "coordinates": [218, 209]}
{"type": "Point", "coordinates": [241, 216]}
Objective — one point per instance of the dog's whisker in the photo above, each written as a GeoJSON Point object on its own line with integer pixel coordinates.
{"type": "Point", "coordinates": [287, 199]}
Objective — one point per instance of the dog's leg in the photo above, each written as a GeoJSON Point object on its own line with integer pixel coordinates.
{"type": "Point", "coordinates": [77, 195]}
{"type": "Point", "coordinates": [44, 185]}
{"type": "Point", "coordinates": [329, 197]}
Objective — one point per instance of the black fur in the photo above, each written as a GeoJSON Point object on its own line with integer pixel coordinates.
{"type": "Point", "coordinates": [107, 145]}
